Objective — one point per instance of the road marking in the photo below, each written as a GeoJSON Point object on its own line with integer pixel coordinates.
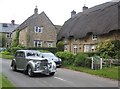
{"type": "Point", "coordinates": [59, 78]}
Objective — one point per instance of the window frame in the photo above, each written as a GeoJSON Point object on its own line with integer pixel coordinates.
{"type": "Point", "coordinates": [8, 35]}
{"type": "Point", "coordinates": [38, 29]}
{"type": "Point", "coordinates": [94, 37]}
{"type": "Point", "coordinates": [50, 44]}
{"type": "Point", "coordinates": [37, 42]}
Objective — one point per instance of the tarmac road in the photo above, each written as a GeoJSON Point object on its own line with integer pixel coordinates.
{"type": "Point", "coordinates": [62, 78]}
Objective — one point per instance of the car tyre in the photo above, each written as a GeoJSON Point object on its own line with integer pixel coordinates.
{"type": "Point", "coordinates": [51, 74]}
{"type": "Point", "coordinates": [30, 72]}
{"type": "Point", "coordinates": [13, 67]}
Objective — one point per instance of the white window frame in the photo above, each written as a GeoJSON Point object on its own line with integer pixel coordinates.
{"type": "Point", "coordinates": [87, 48]}
{"type": "Point", "coordinates": [94, 37]}
{"type": "Point", "coordinates": [8, 35]}
{"type": "Point", "coordinates": [65, 47]}
{"type": "Point", "coordinates": [38, 29]}
{"type": "Point", "coordinates": [37, 43]}
{"type": "Point", "coordinates": [50, 44]}
{"type": "Point", "coordinates": [75, 49]}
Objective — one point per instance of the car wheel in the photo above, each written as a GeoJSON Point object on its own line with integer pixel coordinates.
{"type": "Point", "coordinates": [30, 72]}
{"type": "Point", "coordinates": [13, 67]}
{"type": "Point", "coordinates": [51, 74]}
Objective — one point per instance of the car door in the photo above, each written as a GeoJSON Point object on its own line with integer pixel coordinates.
{"type": "Point", "coordinates": [20, 60]}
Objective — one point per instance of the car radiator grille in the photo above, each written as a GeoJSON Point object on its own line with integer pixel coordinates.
{"type": "Point", "coordinates": [43, 65]}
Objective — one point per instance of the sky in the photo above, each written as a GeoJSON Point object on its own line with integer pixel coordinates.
{"type": "Point", "coordinates": [58, 11]}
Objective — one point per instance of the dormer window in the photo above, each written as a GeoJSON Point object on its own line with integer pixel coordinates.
{"type": "Point", "coordinates": [38, 29]}
{"type": "Point", "coordinates": [8, 35]}
{"type": "Point", "coordinates": [94, 37]}
{"type": "Point", "coordinates": [5, 25]}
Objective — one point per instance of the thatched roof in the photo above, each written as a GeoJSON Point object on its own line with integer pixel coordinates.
{"type": "Point", "coordinates": [98, 20]}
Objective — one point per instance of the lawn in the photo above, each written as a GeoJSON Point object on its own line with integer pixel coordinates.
{"type": "Point", "coordinates": [111, 73]}
{"type": "Point", "coordinates": [4, 82]}
{"type": "Point", "coordinates": [6, 56]}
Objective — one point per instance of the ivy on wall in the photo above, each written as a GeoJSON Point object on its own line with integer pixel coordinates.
{"type": "Point", "coordinates": [16, 40]}
{"type": "Point", "coordinates": [2, 40]}
{"type": "Point", "coordinates": [27, 38]}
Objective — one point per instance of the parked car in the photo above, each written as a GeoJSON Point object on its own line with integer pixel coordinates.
{"type": "Point", "coordinates": [51, 56]}
{"type": "Point", "coordinates": [30, 62]}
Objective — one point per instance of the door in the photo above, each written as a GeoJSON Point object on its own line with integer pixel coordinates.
{"type": "Point", "coordinates": [20, 60]}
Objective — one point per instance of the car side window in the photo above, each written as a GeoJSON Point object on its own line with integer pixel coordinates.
{"type": "Point", "coordinates": [20, 54]}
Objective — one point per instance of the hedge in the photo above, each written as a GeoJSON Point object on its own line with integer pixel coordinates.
{"type": "Point", "coordinates": [53, 49]}
{"type": "Point", "coordinates": [67, 57]}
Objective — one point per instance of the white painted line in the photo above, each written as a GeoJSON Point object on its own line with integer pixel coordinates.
{"type": "Point", "coordinates": [59, 78]}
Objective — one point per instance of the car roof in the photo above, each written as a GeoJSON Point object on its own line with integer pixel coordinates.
{"type": "Point", "coordinates": [27, 51]}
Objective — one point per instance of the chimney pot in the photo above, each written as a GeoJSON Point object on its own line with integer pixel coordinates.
{"type": "Point", "coordinates": [13, 22]}
{"type": "Point", "coordinates": [84, 8]}
{"type": "Point", "coordinates": [73, 13]}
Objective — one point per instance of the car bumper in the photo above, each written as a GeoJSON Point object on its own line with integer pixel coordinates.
{"type": "Point", "coordinates": [58, 63]}
{"type": "Point", "coordinates": [45, 71]}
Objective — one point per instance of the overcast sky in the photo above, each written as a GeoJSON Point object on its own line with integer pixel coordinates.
{"type": "Point", "coordinates": [57, 10]}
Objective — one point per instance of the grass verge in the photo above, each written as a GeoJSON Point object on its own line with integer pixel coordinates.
{"type": "Point", "coordinates": [6, 56]}
{"type": "Point", "coordinates": [112, 73]}
{"type": "Point", "coordinates": [5, 82]}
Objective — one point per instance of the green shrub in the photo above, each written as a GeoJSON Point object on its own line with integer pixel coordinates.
{"type": "Point", "coordinates": [90, 54]}
{"type": "Point", "coordinates": [67, 57]}
{"type": "Point", "coordinates": [60, 46]}
{"type": "Point", "coordinates": [88, 62]}
{"type": "Point", "coordinates": [5, 52]}
{"type": "Point", "coordinates": [14, 49]}
{"type": "Point", "coordinates": [59, 54]}
{"type": "Point", "coordinates": [80, 59]}
{"type": "Point", "coordinates": [50, 49]}
{"type": "Point", "coordinates": [43, 50]}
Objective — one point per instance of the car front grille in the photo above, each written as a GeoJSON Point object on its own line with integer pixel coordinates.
{"type": "Point", "coordinates": [44, 64]}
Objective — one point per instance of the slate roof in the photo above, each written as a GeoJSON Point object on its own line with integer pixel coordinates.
{"type": "Point", "coordinates": [100, 19]}
{"type": "Point", "coordinates": [7, 27]}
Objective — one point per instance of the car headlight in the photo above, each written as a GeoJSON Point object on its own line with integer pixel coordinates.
{"type": "Point", "coordinates": [50, 65]}
{"type": "Point", "coordinates": [37, 65]}
{"type": "Point", "coordinates": [59, 59]}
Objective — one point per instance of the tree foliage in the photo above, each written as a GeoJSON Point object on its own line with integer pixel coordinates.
{"type": "Point", "coordinates": [108, 49]}
{"type": "Point", "coordinates": [60, 46]}
{"type": "Point", "coordinates": [15, 42]}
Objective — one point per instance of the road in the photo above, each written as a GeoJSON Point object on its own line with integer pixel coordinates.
{"type": "Point", "coordinates": [62, 78]}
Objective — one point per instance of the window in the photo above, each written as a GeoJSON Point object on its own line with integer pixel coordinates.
{"type": "Point", "coordinates": [37, 43]}
{"type": "Point", "coordinates": [94, 37]}
{"type": "Point", "coordinates": [93, 47]}
{"type": "Point", "coordinates": [50, 44]}
{"type": "Point", "coordinates": [75, 49]}
{"type": "Point", "coordinates": [65, 47]}
{"type": "Point", "coordinates": [20, 54]}
{"type": "Point", "coordinates": [4, 25]}
{"type": "Point", "coordinates": [87, 48]}
{"type": "Point", "coordinates": [9, 35]}
{"type": "Point", "coordinates": [38, 29]}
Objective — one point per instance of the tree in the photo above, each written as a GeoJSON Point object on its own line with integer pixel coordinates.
{"type": "Point", "coordinates": [106, 49]}
{"type": "Point", "coordinates": [60, 46]}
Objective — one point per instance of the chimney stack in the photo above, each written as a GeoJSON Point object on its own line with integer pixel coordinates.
{"type": "Point", "coordinates": [73, 13]}
{"type": "Point", "coordinates": [84, 8]}
{"type": "Point", "coordinates": [36, 10]}
{"type": "Point", "coordinates": [13, 22]}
